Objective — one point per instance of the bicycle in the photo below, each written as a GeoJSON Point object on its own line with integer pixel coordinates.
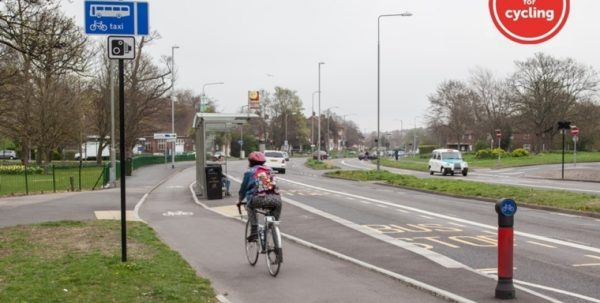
{"type": "Point", "coordinates": [268, 242]}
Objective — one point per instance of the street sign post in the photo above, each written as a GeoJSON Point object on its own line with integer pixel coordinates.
{"type": "Point", "coordinates": [116, 18]}
{"type": "Point", "coordinates": [575, 134]}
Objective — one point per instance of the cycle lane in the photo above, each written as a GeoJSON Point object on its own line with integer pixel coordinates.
{"type": "Point", "coordinates": [213, 245]}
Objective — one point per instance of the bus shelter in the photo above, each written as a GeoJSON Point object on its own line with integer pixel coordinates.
{"type": "Point", "coordinates": [205, 124]}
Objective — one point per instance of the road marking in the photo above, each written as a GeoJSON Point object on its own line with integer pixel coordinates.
{"type": "Point", "coordinates": [455, 219]}
{"type": "Point", "coordinates": [565, 215]}
{"type": "Point", "coordinates": [349, 198]}
{"type": "Point", "coordinates": [541, 244]}
{"type": "Point", "coordinates": [422, 216]}
{"type": "Point", "coordinates": [382, 206]}
{"type": "Point", "coordinates": [588, 264]}
{"type": "Point", "coordinates": [365, 202]}
{"type": "Point", "coordinates": [177, 213]}
{"type": "Point", "coordinates": [402, 211]}
{"type": "Point", "coordinates": [560, 291]}
{"type": "Point", "coordinates": [456, 224]}
{"type": "Point", "coordinates": [408, 280]}
{"type": "Point", "coordinates": [433, 256]}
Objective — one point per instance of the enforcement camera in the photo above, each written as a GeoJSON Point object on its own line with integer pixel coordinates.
{"type": "Point", "coordinates": [120, 47]}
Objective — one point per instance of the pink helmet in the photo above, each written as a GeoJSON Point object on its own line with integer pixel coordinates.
{"type": "Point", "coordinates": [257, 157]}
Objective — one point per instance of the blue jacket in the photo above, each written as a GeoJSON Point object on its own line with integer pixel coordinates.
{"type": "Point", "coordinates": [247, 189]}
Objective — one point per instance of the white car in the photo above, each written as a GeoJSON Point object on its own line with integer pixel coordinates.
{"type": "Point", "coordinates": [447, 161]}
{"type": "Point", "coordinates": [275, 160]}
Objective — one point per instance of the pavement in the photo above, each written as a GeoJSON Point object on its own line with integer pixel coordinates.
{"type": "Point", "coordinates": [210, 238]}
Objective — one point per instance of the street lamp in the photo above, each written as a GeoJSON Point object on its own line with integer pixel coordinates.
{"type": "Point", "coordinates": [312, 121]}
{"type": "Point", "coordinates": [242, 153]}
{"type": "Point", "coordinates": [319, 118]}
{"type": "Point", "coordinates": [203, 97]}
{"type": "Point", "coordinates": [405, 14]}
{"type": "Point", "coordinates": [173, 104]}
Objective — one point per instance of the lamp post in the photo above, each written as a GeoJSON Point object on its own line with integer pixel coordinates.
{"type": "Point", "coordinates": [319, 118]}
{"type": "Point", "coordinates": [172, 104]}
{"type": "Point", "coordinates": [312, 122]}
{"type": "Point", "coordinates": [203, 98]}
{"type": "Point", "coordinates": [405, 14]}
{"type": "Point", "coordinates": [242, 153]}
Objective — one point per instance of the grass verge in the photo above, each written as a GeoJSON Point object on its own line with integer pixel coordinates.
{"type": "Point", "coordinates": [420, 164]}
{"type": "Point", "coordinates": [72, 261]}
{"type": "Point", "coordinates": [316, 164]}
{"type": "Point", "coordinates": [550, 198]}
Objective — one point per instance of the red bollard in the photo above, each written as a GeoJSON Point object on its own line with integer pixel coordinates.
{"type": "Point", "coordinates": [506, 209]}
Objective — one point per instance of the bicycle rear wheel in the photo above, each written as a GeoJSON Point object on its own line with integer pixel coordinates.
{"type": "Point", "coordinates": [273, 250]}
{"type": "Point", "coordinates": [252, 247]}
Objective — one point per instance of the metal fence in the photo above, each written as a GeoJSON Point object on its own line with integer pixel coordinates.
{"type": "Point", "coordinates": [16, 178]}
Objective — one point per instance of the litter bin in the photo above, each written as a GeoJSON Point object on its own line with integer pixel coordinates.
{"type": "Point", "coordinates": [214, 184]}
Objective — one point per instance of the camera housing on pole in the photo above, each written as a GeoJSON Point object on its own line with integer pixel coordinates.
{"type": "Point", "coordinates": [121, 47]}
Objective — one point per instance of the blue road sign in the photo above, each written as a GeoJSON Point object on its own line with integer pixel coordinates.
{"type": "Point", "coordinates": [241, 142]}
{"type": "Point", "coordinates": [508, 207]}
{"type": "Point", "coordinates": [116, 18]}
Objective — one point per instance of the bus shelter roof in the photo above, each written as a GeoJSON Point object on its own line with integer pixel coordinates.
{"type": "Point", "coordinates": [221, 121]}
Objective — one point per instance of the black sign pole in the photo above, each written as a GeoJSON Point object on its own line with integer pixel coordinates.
{"type": "Point", "coordinates": [563, 154]}
{"type": "Point", "coordinates": [122, 160]}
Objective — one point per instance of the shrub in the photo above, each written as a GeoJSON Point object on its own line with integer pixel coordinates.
{"type": "Point", "coordinates": [19, 169]}
{"type": "Point", "coordinates": [520, 152]}
{"type": "Point", "coordinates": [481, 145]}
{"type": "Point", "coordinates": [485, 153]}
{"type": "Point", "coordinates": [499, 152]}
{"type": "Point", "coordinates": [425, 150]}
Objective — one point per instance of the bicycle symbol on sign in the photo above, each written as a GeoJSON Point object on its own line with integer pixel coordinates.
{"type": "Point", "coordinates": [98, 25]}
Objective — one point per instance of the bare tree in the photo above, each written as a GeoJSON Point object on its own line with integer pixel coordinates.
{"type": "Point", "coordinates": [451, 107]}
{"type": "Point", "coordinates": [545, 91]}
{"type": "Point", "coordinates": [147, 85]}
{"type": "Point", "coordinates": [492, 106]}
{"type": "Point", "coordinates": [49, 48]}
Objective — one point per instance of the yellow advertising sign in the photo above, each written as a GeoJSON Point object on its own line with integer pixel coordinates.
{"type": "Point", "coordinates": [254, 99]}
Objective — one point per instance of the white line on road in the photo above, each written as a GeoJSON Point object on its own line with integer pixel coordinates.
{"type": "Point", "coordinates": [401, 210]}
{"type": "Point", "coordinates": [455, 219]}
{"type": "Point", "coordinates": [365, 202]}
{"type": "Point", "coordinates": [541, 244]}
{"type": "Point", "coordinates": [560, 291]}
{"type": "Point", "coordinates": [426, 217]}
{"type": "Point", "coordinates": [382, 206]}
{"type": "Point", "coordinates": [431, 255]}
{"type": "Point", "coordinates": [565, 215]}
{"type": "Point", "coordinates": [408, 280]}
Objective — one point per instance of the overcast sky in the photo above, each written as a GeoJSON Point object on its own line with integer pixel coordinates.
{"type": "Point", "coordinates": [242, 43]}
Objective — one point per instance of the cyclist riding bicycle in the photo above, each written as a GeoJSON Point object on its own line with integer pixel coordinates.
{"type": "Point", "coordinates": [259, 189]}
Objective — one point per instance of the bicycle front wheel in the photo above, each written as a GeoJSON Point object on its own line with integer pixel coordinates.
{"type": "Point", "coordinates": [273, 250]}
{"type": "Point", "coordinates": [252, 247]}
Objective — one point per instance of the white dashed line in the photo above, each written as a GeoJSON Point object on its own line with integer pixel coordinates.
{"type": "Point", "coordinates": [541, 244]}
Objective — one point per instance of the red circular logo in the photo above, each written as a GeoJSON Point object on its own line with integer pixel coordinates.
{"type": "Point", "coordinates": [529, 21]}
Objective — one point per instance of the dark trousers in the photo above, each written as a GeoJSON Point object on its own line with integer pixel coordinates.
{"type": "Point", "coordinates": [272, 202]}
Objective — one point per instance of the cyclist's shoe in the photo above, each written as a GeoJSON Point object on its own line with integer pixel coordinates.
{"type": "Point", "coordinates": [252, 237]}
